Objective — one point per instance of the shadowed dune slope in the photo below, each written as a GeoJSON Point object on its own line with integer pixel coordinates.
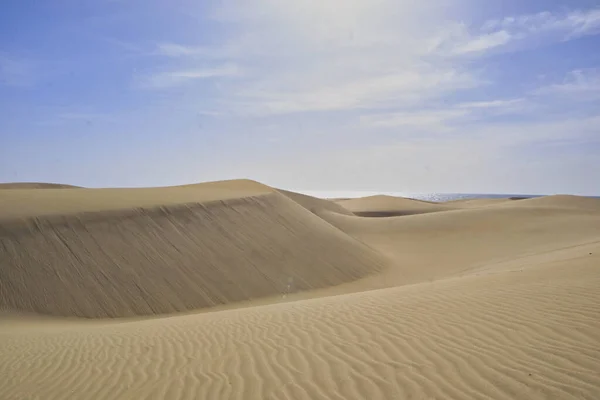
{"type": "Point", "coordinates": [36, 185]}
{"type": "Point", "coordinates": [117, 263]}
{"type": "Point", "coordinates": [388, 206]}
{"type": "Point", "coordinates": [315, 204]}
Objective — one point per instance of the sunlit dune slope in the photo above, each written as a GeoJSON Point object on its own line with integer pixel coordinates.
{"type": "Point", "coordinates": [530, 335]}
{"type": "Point", "coordinates": [35, 185]}
{"type": "Point", "coordinates": [21, 203]}
{"type": "Point", "coordinates": [387, 206]}
{"type": "Point", "coordinates": [562, 201]}
{"type": "Point", "coordinates": [436, 245]}
{"type": "Point", "coordinates": [473, 203]}
{"type": "Point", "coordinates": [110, 261]}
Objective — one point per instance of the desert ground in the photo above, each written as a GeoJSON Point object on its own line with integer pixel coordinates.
{"type": "Point", "coordinates": [237, 290]}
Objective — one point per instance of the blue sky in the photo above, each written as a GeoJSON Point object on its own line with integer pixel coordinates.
{"type": "Point", "coordinates": [374, 95]}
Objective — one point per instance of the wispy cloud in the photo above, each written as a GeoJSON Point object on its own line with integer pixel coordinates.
{"type": "Point", "coordinates": [169, 79]}
{"type": "Point", "coordinates": [509, 104]}
{"type": "Point", "coordinates": [578, 84]}
{"type": "Point", "coordinates": [177, 50]}
{"type": "Point", "coordinates": [483, 42]}
{"type": "Point", "coordinates": [362, 92]}
{"type": "Point", "coordinates": [569, 25]}
{"type": "Point", "coordinates": [514, 32]}
{"type": "Point", "coordinates": [443, 118]}
{"type": "Point", "coordinates": [310, 58]}
{"type": "Point", "coordinates": [421, 119]}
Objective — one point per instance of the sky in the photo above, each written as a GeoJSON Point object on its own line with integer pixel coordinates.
{"type": "Point", "coordinates": [310, 95]}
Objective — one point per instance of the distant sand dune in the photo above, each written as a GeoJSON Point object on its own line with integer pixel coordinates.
{"type": "Point", "coordinates": [562, 201]}
{"type": "Point", "coordinates": [314, 204]}
{"type": "Point", "coordinates": [36, 185]}
{"type": "Point", "coordinates": [474, 300]}
{"type": "Point", "coordinates": [389, 206]}
{"type": "Point", "coordinates": [436, 245]}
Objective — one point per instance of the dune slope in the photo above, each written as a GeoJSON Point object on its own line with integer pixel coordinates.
{"type": "Point", "coordinates": [389, 206]}
{"type": "Point", "coordinates": [526, 335]}
{"type": "Point", "coordinates": [431, 246]}
{"type": "Point", "coordinates": [173, 258]}
{"type": "Point", "coordinates": [315, 204]}
{"type": "Point", "coordinates": [36, 185]}
{"type": "Point", "coordinates": [493, 302]}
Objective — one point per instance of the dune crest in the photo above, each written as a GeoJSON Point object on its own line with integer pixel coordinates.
{"type": "Point", "coordinates": [36, 185]}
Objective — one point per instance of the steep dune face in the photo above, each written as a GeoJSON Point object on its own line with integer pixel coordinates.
{"type": "Point", "coordinates": [389, 206]}
{"type": "Point", "coordinates": [117, 263]}
{"type": "Point", "coordinates": [314, 204]}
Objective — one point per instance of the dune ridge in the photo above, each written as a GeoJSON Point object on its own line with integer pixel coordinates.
{"type": "Point", "coordinates": [36, 185]}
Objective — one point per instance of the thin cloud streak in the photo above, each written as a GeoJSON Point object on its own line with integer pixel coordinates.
{"type": "Point", "coordinates": [173, 78]}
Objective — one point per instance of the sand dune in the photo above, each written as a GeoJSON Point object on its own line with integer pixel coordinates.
{"type": "Point", "coordinates": [488, 301]}
{"type": "Point", "coordinates": [474, 203]}
{"type": "Point", "coordinates": [173, 258]}
{"type": "Point", "coordinates": [21, 203]}
{"type": "Point", "coordinates": [437, 245]}
{"type": "Point", "coordinates": [314, 204]}
{"type": "Point", "coordinates": [529, 335]}
{"type": "Point", "coordinates": [562, 201]}
{"type": "Point", "coordinates": [388, 206]}
{"type": "Point", "coordinates": [36, 185]}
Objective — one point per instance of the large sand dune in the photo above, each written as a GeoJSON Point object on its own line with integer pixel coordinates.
{"type": "Point", "coordinates": [492, 301]}
{"type": "Point", "coordinates": [126, 262]}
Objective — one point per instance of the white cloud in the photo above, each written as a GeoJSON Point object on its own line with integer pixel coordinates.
{"type": "Point", "coordinates": [400, 88]}
{"type": "Point", "coordinates": [427, 119]}
{"type": "Point", "coordinates": [445, 119]}
{"type": "Point", "coordinates": [578, 84]}
{"type": "Point", "coordinates": [571, 24]}
{"type": "Point", "coordinates": [493, 104]}
{"type": "Point", "coordinates": [309, 55]}
{"type": "Point", "coordinates": [515, 32]}
{"type": "Point", "coordinates": [484, 42]}
{"type": "Point", "coordinates": [162, 80]}
{"type": "Point", "coordinates": [177, 50]}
